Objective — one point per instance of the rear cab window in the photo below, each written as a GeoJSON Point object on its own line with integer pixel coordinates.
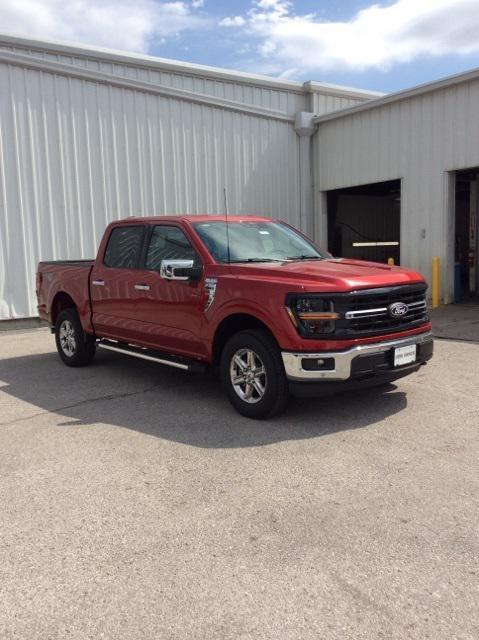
{"type": "Point", "coordinates": [124, 246]}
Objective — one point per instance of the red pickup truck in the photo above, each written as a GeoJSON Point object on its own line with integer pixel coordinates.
{"type": "Point", "coordinates": [276, 313]}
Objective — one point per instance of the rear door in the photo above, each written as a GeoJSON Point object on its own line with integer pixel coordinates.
{"type": "Point", "coordinates": [112, 283]}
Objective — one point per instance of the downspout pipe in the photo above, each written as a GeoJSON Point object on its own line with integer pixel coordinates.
{"type": "Point", "coordinates": [304, 126]}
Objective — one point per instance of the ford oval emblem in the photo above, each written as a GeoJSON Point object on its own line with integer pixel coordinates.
{"type": "Point", "coordinates": [398, 309]}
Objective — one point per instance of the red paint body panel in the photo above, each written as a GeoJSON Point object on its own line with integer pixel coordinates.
{"type": "Point", "coordinates": [167, 317]}
{"type": "Point", "coordinates": [72, 279]}
{"type": "Point", "coordinates": [171, 315]}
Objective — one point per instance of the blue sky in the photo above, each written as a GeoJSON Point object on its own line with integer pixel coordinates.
{"type": "Point", "coordinates": [382, 45]}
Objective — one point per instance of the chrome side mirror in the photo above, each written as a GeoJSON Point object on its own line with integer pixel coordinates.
{"type": "Point", "coordinates": [179, 270]}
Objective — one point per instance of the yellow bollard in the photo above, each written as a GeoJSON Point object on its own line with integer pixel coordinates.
{"type": "Point", "coordinates": [391, 262]}
{"type": "Point", "coordinates": [435, 282]}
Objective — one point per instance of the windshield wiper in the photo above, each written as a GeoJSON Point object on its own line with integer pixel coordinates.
{"type": "Point", "coordinates": [304, 257]}
{"type": "Point", "coordinates": [260, 260]}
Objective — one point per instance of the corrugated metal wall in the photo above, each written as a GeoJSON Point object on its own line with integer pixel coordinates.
{"type": "Point", "coordinates": [325, 103]}
{"type": "Point", "coordinates": [75, 155]}
{"type": "Point", "coordinates": [288, 100]}
{"type": "Point", "coordinates": [418, 140]}
{"type": "Point", "coordinates": [270, 93]}
{"type": "Point", "coordinates": [78, 150]}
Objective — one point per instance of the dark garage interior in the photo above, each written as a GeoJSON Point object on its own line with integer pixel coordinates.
{"type": "Point", "coordinates": [466, 205]}
{"type": "Point", "coordinates": [364, 222]}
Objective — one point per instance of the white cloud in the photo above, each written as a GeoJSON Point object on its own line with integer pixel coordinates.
{"type": "Point", "coordinates": [376, 37]}
{"type": "Point", "coordinates": [119, 24]}
{"type": "Point", "coordinates": [281, 6]}
{"type": "Point", "coordinates": [235, 21]}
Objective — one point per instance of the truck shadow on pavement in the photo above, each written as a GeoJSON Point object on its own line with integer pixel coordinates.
{"type": "Point", "coordinates": [185, 408]}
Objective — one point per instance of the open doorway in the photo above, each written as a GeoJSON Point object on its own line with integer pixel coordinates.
{"type": "Point", "coordinates": [466, 282]}
{"type": "Point", "coordinates": [364, 222]}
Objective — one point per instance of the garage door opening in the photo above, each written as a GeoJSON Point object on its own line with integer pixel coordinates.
{"type": "Point", "coordinates": [466, 282]}
{"type": "Point", "coordinates": [364, 222]}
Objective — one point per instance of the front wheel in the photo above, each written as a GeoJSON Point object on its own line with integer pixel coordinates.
{"type": "Point", "coordinates": [74, 346]}
{"type": "Point", "coordinates": [252, 374]}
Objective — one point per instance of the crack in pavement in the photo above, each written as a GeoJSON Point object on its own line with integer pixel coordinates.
{"type": "Point", "coordinates": [112, 396]}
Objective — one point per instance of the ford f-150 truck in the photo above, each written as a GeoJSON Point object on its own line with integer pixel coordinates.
{"type": "Point", "coordinates": [251, 295]}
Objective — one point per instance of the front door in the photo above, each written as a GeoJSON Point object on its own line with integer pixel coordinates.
{"type": "Point", "coordinates": [168, 313]}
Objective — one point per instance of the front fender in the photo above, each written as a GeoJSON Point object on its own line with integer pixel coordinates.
{"type": "Point", "coordinates": [279, 323]}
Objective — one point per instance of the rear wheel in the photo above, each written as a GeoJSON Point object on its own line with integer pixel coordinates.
{"type": "Point", "coordinates": [75, 347]}
{"type": "Point", "coordinates": [252, 374]}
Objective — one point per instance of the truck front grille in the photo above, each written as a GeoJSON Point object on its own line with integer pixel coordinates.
{"type": "Point", "coordinates": [371, 312]}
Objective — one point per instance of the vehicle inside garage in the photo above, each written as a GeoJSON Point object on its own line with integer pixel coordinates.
{"type": "Point", "coordinates": [364, 222]}
{"type": "Point", "coordinates": [466, 206]}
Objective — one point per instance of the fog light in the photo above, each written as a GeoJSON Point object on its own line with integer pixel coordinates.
{"type": "Point", "coordinates": [317, 364]}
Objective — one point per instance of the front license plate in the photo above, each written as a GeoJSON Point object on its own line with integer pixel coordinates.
{"type": "Point", "coordinates": [404, 355]}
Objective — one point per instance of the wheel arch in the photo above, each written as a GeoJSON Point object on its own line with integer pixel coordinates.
{"type": "Point", "coordinates": [60, 302]}
{"type": "Point", "coordinates": [233, 323]}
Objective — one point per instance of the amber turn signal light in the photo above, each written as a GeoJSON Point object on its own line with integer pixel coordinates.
{"type": "Point", "coordinates": [315, 315]}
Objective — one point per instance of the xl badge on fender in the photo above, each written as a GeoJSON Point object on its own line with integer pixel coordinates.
{"type": "Point", "coordinates": [210, 288]}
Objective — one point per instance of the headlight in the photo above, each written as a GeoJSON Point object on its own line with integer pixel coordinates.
{"type": "Point", "coordinates": [312, 315]}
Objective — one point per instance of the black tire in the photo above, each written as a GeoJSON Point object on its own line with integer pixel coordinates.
{"type": "Point", "coordinates": [75, 347]}
{"type": "Point", "coordinates": [266, 356]}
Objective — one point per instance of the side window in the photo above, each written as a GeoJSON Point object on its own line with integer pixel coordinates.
{"type": "Point", "coordinates": [124, 247]}
{"type": "Point", "coordinates": [168, 243]}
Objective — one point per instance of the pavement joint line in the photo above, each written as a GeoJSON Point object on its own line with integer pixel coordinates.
{"type": "Point", "coordinates": [453, 339]}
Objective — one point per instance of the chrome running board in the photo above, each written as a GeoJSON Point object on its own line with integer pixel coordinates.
{"type": "Point", "coordinates": [153, 356]}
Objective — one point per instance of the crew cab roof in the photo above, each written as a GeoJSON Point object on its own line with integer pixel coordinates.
{"type": "Point", "coordinates": [196, 218]}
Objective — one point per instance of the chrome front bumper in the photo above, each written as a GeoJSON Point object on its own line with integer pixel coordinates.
{"type": "Point", "coordinates": [293, 362]}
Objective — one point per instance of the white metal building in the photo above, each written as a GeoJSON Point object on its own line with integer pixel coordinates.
{"type": "Point", "coordinates": [425, 139]}
{"type": "Point", "coordinates": [89, 135]}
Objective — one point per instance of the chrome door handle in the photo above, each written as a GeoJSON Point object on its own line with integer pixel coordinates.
{"type": "Point", "coordinates": [142, 287]}
{"type": "Point", "coordinates": [98, 283]}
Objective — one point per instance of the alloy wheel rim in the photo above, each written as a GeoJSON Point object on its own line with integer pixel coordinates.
{"type": "Point", "coordinates": [67, 338]}
{"type": "Point", "coordinates": [248, 375]}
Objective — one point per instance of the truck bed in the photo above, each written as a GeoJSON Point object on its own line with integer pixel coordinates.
{"type": "Point", "coordinates": [54, 277]}
{"type": "Point", "coordinates": [80, 263]}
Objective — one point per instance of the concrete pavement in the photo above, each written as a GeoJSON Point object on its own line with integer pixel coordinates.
{"type": "Point", "coordinates": [457, 321]}
{"type": "Point", "coordinates": [137, 505]}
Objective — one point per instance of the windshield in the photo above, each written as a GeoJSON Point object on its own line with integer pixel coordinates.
{"type": "Point", "coordinates": [255, 242]}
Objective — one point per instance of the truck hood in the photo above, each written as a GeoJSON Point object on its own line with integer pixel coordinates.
{"type": "Point", "coordinates": [338, 274]}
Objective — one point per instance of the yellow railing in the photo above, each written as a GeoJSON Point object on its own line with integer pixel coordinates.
{"type": "Point", "coordinates": [435, 282]}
